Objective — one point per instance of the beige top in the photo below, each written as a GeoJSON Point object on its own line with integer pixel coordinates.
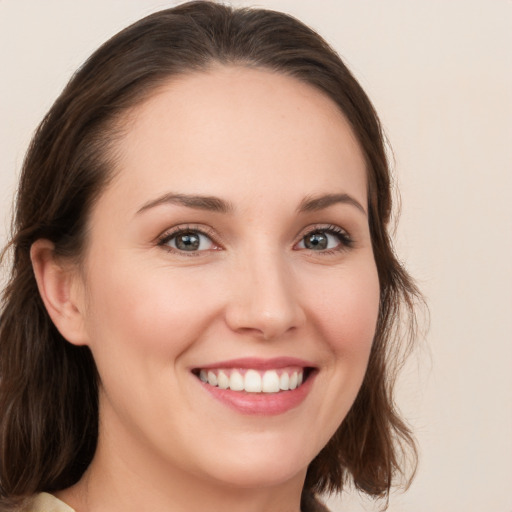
{"type": "Point", "coordinates": [45, 502]}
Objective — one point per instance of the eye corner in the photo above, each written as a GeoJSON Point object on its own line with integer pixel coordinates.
{"type": "Point", "coordinates": [196, 241]}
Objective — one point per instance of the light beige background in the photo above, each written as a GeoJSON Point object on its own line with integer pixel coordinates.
{"type": "Point", "coordinates": [439, 73]}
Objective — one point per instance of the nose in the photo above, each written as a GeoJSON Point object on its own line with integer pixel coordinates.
{"type": "Point", "coordinates": [264, 301]}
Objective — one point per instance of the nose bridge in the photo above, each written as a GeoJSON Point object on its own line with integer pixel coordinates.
{"type": "Point", "coordinates": [265, 302]}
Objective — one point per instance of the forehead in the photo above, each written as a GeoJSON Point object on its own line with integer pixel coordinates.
{"type": "Point", "coordinates": [254, 129]}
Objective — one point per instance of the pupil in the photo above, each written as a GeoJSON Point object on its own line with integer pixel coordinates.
{"type": "Point", "coordinates": [187, 242]}
{"type": "Point", "coordinates": [316, 241]}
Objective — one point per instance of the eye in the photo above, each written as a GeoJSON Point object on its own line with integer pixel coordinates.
{"type": "Point", "coordinates": [325, 239]}
{"type": "Point", "coordinates": [187, 240]}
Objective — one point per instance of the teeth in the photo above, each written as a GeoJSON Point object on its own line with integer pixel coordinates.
{"type": "Point", "coordinates": [223, 380]}
{"type": "Point", "coordinates": [236, 382]}
{"type": "Point", "coordinates": [212, 378]}
{"type": "Point", "coordinates": [254, 381]}
{"type": "Point", "coordinates": [270, 382]}
{"type": "Point", "coordinates": [293, 380]}
{"type": "Point", "coordinates": [284, 382]}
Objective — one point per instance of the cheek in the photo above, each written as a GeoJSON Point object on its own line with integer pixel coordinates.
{"type": "Point", "coordinates": [148, 312]}
{"type": "Point", "coordinates": [344, 311]}
{"type": "Point", "coordinates": [347, 312]}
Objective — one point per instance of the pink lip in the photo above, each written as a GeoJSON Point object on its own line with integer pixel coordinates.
{"type": "Point", "coordinates": [261, 403]}
{"type": "Point", "coordinates": [259, 363]}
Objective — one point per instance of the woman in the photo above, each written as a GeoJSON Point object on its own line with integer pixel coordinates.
{"type": "Point", "coordinates": [203, 303]}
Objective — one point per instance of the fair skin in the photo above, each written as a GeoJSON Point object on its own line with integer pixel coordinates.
{"type": "Point", "coordinates": [264, 277]}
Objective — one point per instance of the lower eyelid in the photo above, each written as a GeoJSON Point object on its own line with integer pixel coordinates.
{"type": "Point", "coordinates": [164, 239]}
{"type": "Point", "coordinates": [344, 238]}
{"type": "Point", "coordinates": [345, 241]}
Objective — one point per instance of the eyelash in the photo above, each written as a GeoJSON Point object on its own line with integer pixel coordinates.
{"type": "Point", "coordinates": [346, 241]}
{"type": "Point", "coordinates": [166, 237]}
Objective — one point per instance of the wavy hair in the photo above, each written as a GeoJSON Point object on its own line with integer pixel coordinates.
{"type": "Point", "coordinates": [48, 387]}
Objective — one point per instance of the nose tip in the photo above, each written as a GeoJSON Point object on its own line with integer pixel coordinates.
{"type": "Point", "coordinates": [266, 305]}
{"type": "Point", "coordinates": [264, 323]}
{"type": "Point", "coordinates": [267, 325]}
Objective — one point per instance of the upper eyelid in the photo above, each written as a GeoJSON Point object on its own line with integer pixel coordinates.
{"type": "Point", "coordinates": [217, 239]}
{"type": "Point", "coordinates": [346, 241]}
{"type": "Point", "coordinates": [322, 227]}
{"type": "Point", "coordinates": [201, 229]}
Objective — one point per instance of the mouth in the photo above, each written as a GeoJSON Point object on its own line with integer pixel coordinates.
{"type": "Point", "coordinates": [254, 386]}
{"type": "Point", "coordinates": [254, 379]}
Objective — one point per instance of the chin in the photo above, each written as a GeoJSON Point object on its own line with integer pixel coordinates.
{"type": "Point", "coordinates": [263, 465]}
{"type": "Point", "coordinates": [249, 476]}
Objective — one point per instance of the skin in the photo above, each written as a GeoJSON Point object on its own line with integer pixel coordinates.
{"type": "Point", "coordinates": [265, 143]}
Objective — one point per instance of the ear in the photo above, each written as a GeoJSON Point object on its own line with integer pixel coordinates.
{"type": "Point", "coordinates": [61, 290]}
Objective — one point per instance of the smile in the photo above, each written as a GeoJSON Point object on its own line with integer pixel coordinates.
{"type": "Point", "coordinates": [258, 386]}
{"type": "Point", "coordinates": [252, 380]}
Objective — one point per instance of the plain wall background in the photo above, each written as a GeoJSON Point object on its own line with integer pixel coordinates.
{"type": "Point", "coordinates": [439, 73]}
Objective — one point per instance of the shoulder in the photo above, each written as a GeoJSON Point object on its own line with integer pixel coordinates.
{"type": "Point", "coordinates": [310, 503]}
{"type": "Point", "coordinates": [44, 502]}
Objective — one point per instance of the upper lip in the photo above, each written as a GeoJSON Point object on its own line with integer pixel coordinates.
{"type": "Point", "coordinates": [257, 363]}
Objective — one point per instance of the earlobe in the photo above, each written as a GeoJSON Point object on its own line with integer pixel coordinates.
{"type": "Point", "coordinates": [60, 291]}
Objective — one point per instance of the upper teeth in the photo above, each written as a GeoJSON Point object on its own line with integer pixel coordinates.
{"type": "Point", "coordinates": [254, 381]}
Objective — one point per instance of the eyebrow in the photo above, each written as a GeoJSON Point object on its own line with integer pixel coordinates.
{"type": "Point", "coordinates": [215, 204]}
{"type": "Point", "coordinates": [312, 204]}
{"type": "Point", "coordinates": [198, 202]}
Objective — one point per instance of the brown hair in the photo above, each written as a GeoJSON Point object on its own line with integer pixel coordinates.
{"type": "Point", "coordinates": [48, 387]}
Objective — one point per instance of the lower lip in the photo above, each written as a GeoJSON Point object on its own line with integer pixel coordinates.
{"type": "Point", "coordinates": [261, 403]}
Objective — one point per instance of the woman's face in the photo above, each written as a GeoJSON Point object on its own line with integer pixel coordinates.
{"type": "Point", "coordinates": [232, 246]}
